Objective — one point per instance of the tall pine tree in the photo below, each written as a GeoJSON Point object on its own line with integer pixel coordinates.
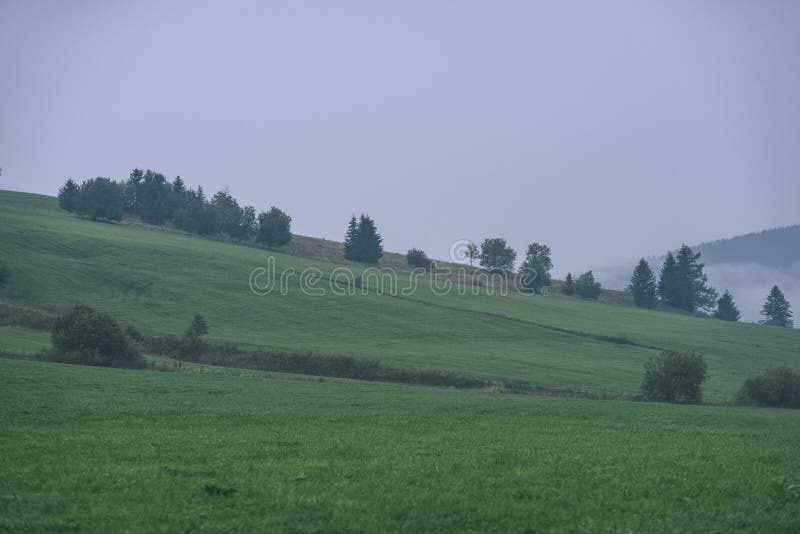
{"type": "Point", "coordinates": [668, 281]}
{"type": "Point", "coordinates": [350, 239]}
{"type": "Point", "coordinates": [726, 308]}
{"type": "Point", "coordinates": [643, 285]}
{"type": "Point", "coordinates": [362, 242]}
{"type": "Point", "coordinates": [370, 242]}
{"type": "Point", "coordinates": [569, 285]}
{"type": "Point", "coordinates": [692, 292]}
{"type": "Point", "coordinates": [777, 310]}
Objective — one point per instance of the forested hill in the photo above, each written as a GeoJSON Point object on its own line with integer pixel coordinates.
{"type": "Point", "coordinates": [776, 247]}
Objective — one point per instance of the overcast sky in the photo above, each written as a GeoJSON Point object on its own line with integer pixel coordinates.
{"type": "Point", "coordinates": [608, 130]}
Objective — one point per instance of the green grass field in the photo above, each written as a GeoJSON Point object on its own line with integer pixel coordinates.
{"type": "Point", "coordinates": [222, 449]}
{"type": "Point", "coordinates": [89, 449]}
{"type": "Point", "coordinates": [157, 280]}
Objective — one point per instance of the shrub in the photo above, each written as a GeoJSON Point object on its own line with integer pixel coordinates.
{"type": "Point", "coordinates": [417, 258]}
{"type": "Point", "coordinates": [674, 377]}
{"type": "Point", "coordinates": [587, 287]}
{"type": "Point", "coordinates": [191, 342]}
{"type": "Point", "coordinates": [778, 387]}
{"type": "Point", "coordinates": [85, 336]}
{"type": "Point", "coordinates": [101, 198]}
{"type": "Point", "coordinates": [5, 274]}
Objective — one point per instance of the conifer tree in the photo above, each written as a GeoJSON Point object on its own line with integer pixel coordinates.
{"type": "Point", "coordinates": [668, 281]}
{"type": "Point", "coordinates": [569, 285]}
{"type": "Point", "coordinates": [777, 311]}
{"type": "Point", "coordinates": [643, 285]}
{"type": "Point", "coordinates": [370, 242]}
{"type": "Point", "coordinates": [726, 308]}
{"type": "Point", "coordinates": [691, 291]}
{"type": "Point", "coordinates": [68, 196]}
{"type": "Point", "coordinates": [350, 239]}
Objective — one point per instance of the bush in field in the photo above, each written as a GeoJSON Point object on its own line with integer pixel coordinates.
{"type": "Point", "coordinates": [587, 287]}
{"type": "Point", "coordinates": [5, 274]}
{"type": "Point", "coordinates": [674, 377]}
{"type": "Point", "coordinates": [417, 258]}
{"type": "Point", "coordinates": [192, 343]}
{"type": "Point", "coordinates": [778, 387]}
{"type": "Point", "coordinates": [88, 337]}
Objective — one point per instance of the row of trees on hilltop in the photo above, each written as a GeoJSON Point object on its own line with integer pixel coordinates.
{"type": "Point", "coordinates": [151, 197]}
{"type": "Point", "coordinates": [683, 284]}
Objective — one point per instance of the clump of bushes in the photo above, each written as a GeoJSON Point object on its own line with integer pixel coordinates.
{"type": "Point", "coordinates": [674, 377]}
{"type": "Point", "coordinates": [12, 315]}
{"type": "Point", "coordinates": [192, 342]}
{"type": "Point", "coordinates": [778, 387]}
{"type": "Point", "coordinates": [587, 287]}
{"type": "Point", "coordinates": [88, 337]}
{"type": "Point", "coordinates": [417, 258]}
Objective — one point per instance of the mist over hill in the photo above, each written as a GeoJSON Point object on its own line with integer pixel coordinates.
{"type": "Point", "coordinates": [747, 265]}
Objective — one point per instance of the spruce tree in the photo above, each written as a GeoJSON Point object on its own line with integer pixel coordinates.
{"type": "Point", "coordinates": [369, 247]}
{"type": "Point", "coordinates": [643, 285]}
{"type": "Point", "coordinates": [668, 281]}
{"type": "Point", "coordinates": [350, 239]}
{"type": "Point", "coordinates": [568, 288]}
{"type": "Point", "coordinates": [726, 308]}
{"type": "Point", "coordinates": [691, 291]}
{"type": "Point", "coordinates": [68, 196]}
{"type": "Point", "coordinates": [777, 310]}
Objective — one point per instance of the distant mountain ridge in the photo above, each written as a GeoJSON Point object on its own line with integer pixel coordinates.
{"type": "Point", "coordinates": [775, 247]}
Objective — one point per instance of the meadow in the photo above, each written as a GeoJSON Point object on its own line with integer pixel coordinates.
{"type": "Point", "coordinates": [91, 449]}
{"type": "Point", "coordinates": [157, 280]}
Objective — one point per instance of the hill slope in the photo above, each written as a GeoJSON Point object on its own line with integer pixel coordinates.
{"type": "Point", "coordinates": [158, 280]}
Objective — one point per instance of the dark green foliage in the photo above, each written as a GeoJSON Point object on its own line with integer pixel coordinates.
{"type": "Point", "coordinates": [199, 327]}
{"type": "Point", "coordinates": [778, 387]}
{"type": "Point", "coordinates": [726, 308]}
{"type": "Point", "coordinates": [350, 238]}
{"type": "Point", "coordinates": [417, 258]}
{"type": "Point", "coordinates": [101, 198]}
{"type": "Point", "coordinates": [154, 193]}
{"type": "Point", "coordinates": [85, 336]}
{"type": "Point", "coordinates": [496, 255]}
{"type": "Point", "coordinates": [132, 193]}
{"type": "Point", "coordinates": [777, 310]}
{"type": "Point", "coordinates": [229, 355]}
{"type": "Point", "coordinates": [192, 344]}
{"type": "Point", "coordinates": [668, 280]}
{"type": "Point", "coordinates": [274, 227]}
{"type": "Point", "coordinates": [569, 285]}
{"type": "Point", "coordinates": [587, 287]}
{"type": "Point", "coordinates": [5, 274]}
{"type": "Point", "coordinates": [248, 225]}
{"type": "Point", "coordinates": [674, 377]}
{"type": "Point", "coordinates": [228, 214]}
{"type": "Point", "coordinates": [133, 333]}
{"type": "Point", "coordinates": [692, 292]}
{"type": "Point", "coordinates": [197, 216]}
{"type": "Point", "coordinates": [362, 241]}
{"type": "Point", "coordinates": [643, 285]}
{"type": "Point", "coordinates": [14, 315]}
{"type": "Point", "coordinates": [68, 195]}
{"type": "Point", "coordinates": [535, 270]}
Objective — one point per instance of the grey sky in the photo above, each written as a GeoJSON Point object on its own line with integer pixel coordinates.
{"type": "Point", "coordinates": [607, 129]}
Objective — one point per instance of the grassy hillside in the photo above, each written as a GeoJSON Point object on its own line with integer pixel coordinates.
{"type": "Point", "coordinates": [92, 449]}
{"type": "Point", "coordinates": [156, 280]}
